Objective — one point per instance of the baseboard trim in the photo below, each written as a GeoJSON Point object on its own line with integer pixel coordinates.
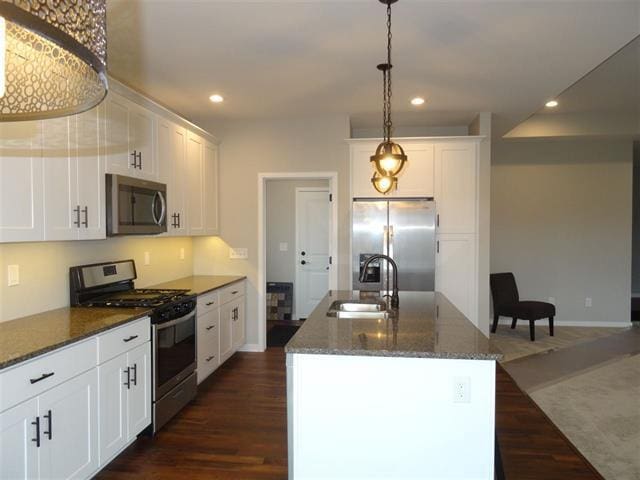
{"type": "Point", "coordinates": [568, 323]}
{"type": "Point", "coordinates": [251, 347]}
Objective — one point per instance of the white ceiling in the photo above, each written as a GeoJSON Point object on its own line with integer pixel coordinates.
{"type": "Point", "coordinates": [312, 57]}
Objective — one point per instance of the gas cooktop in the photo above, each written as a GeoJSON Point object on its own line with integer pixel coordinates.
{"type": "Point", "coordinates": [137, 297]}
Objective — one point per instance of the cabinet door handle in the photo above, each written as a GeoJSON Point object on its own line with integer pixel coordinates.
{"type": "Point", "coordinates": [132, 337]}
{"type": "Point", "coordinates": [235, 314]}
{"type": "Point", "coordinates": [179, 221]}
{"type": "Point", "coordinates": [140, 160]}
{"type": "Point", "coordinates": [210, 327]}
{"type": "Point", "coordinates": [134, 154]}
{"type": "Point", "coordinates": [208, 359]}
{"type": "Point", "coordinates": [37, 425]}
{"type": "Point", "coordinates": [77, 212]}
{"type": "Point", "coordinates": [41, 377]}
{"type": "Point", "coordinates": [437, 220]}
{"type": "Point", "coordinates": [438, 246]}
{"type": "Point", "coordinates": [135, 375]}
{"type": "Point", "coordinates": [85, 210]}
{"type": "Point", "coordinates": [49, 432]}
{"type": "Point", "coordinates": [128, 382]}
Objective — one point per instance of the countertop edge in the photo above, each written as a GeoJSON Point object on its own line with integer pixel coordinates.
{"type": "Point", "coordinates": [226, 284]}
{"type": "Point", "coordinates": [394, 354]}
{"type": "Point", "coordinates": [50, 348]}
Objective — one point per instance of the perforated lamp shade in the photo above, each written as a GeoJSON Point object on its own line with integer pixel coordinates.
{"type": "Point", "coordinates": [54, 57]}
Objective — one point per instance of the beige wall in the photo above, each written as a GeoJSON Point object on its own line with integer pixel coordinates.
{"type": "Point", "coordinates": [281, 226]}
{"type": "Point", "coordinates": [44, 268]}
{"type": "Point", "coordinates": [264, 146]}
{"type": "Point", "coordinates": [561, 221]}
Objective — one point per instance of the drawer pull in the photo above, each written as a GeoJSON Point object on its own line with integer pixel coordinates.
{"type": "Point", "coordinates": [132, 337]}
{"type": "Point", "coordinates": [42, 377]}
{"type": "Point", "coordinates": [211, 358]}
{"type": "Point", "coordinates": [234, 292]}
{"type": "Point", "coordinates": [37, 439]}
{"type": "Point", "coordinates": [49, 432]}
{"type": "Point", "coordinates": [210, 327]}
{"type": "Point", "coordinates": [208, 304]}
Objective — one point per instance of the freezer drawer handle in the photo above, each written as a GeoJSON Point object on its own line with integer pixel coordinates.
{"type": "Point", "coordinates": [42, 377]}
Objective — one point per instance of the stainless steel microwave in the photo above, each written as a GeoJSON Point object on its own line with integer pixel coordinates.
{"type": "Point", "coordinates": [135, 207]}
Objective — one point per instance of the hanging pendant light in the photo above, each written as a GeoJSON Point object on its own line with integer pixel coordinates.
{"type": "Point", "coordinates": [389, 158]}
{"type": "Point", "coordinates": [53, 56]}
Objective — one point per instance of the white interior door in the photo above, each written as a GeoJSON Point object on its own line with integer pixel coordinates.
{"type": "Point", "coordinates": [313, 233]}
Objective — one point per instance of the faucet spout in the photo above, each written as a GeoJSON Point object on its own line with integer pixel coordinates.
{"type": "Point", "coordinates": [395, 298]}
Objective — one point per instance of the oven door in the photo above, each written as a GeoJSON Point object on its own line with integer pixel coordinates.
{"type": "Point", "coordinates": [174, 352]}
{"type": "Point", "coordinates": [135, 207]}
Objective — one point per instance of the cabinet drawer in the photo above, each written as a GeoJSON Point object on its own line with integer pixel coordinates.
{"type": "Point", "coordinates": [123, 339]}
{"type": "Point", "coordinates": [232, 291]}
{"type": "Point", "coordinates": [208, 302]}
{"type": "Point", "coordinates": [35, 376]}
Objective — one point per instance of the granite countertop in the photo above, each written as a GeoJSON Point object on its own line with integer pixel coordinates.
{"type": "Point", "coordinates": [426, 325]}
{"type": "Point", "coordinates": [200, 284]}
{"type": "Point", "coordinates": [28, 337]}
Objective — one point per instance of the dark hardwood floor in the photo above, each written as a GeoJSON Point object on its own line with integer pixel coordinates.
{"type": "Point", "coordinates": [236, 429]}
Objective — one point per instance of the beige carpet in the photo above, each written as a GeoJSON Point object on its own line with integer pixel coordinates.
{"type": "Point", "coordinates": [599, 411]}
{"type": "Point", "coordinates": [515, 343]}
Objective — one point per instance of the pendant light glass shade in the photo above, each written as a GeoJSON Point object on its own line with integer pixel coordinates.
{"type": "Point", "coordinates": [383, 184]}
{"type": "Point", "coordinates": [389, 159]}
{"type": "Point", "coordinates": [54, 57]}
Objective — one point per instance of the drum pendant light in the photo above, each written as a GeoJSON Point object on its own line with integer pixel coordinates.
{"type": "Point", "coordinates": [389, 158]}
{"type": "Point", "coordinates": [52, 57]}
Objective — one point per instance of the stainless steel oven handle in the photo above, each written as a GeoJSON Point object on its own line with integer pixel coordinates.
{"type": "Point", "coordinates": [158, 221]}
{"type": "Point", "coordinates": [162, 326]}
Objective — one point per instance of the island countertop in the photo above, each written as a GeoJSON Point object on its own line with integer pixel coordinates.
{"type": "Point", "coordinates": [426, 325]}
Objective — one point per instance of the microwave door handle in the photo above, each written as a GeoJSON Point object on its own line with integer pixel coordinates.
{"type": "Point", "coordinates": [156, 196]}
{"type": "Point", "coordinates": [163, 213]}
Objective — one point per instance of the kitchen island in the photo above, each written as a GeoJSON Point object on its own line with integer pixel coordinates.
{"type": "Point", "coordinates": [411, 396]}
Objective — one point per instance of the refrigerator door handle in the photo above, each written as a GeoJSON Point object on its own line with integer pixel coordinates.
{"type": "Point", "coordinates": [391, 254]}
{"type": "Point", "coordinates": [384, 266]}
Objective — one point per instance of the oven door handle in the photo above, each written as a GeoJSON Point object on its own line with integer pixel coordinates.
{"type": "Point", "coordinates": [163, 212]}
{"type": "Point", "coordinates": [162, 326]}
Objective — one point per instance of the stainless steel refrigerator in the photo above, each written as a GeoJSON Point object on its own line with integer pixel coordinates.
{"type": "Point", "coordinates": [405, 230]}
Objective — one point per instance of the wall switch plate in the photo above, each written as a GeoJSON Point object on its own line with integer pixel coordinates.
{"type": "Point", "coordinates": [552, 300]}
{"type": "Point", "coordinates": [238, 253]}
{"type": "Point", "coordinates": [13, 275]}
{"type": "Point", "coordinates": [284, 246]}
{"type": "Point", "coordinates": [461, 390]}
{"type": "Point", "coordinates": [182, 253]}
{"type": "Point", "coordinates": [147, 258]}
{"type": "Point", "coordinates": [588, 302]}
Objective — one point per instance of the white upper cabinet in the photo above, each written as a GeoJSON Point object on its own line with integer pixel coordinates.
{"type": "Point", "coordinates": [195, 184]}
{"type": "Point", "coordinates": [21, 195]}
{"type": "Point", "coordinates": [456, 177]}
{"type": "Point", "coordinates": [130, 140]}
{"type": "Point", "coordinates": [415, 180]}
{"type": "Point", "coordinates": [210, 174]}
{"type": "Point", "coordinates": [171, 142]}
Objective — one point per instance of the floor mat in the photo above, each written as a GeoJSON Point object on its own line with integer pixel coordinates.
{"type": "Point", "coordinates": [279, 335]}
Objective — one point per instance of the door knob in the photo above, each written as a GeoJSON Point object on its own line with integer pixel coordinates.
{"type": "Point", "coordinates": [303, 262]}
{"type": "Point", "coordinates": [303, 253]}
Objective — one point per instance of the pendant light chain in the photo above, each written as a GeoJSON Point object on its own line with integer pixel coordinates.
{"type": "Point", "coordinates": [387, 80]}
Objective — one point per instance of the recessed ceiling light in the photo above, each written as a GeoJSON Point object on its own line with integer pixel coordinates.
{"type": "Point", "coordinates": [216, 98]}
{"type": "Point", "coordinates": [417, 101]}
{"type": "Point", "coordinates": [551, 104]}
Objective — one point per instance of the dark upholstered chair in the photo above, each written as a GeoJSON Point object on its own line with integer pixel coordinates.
{"type": "Point", "coordinates": [506, 302]}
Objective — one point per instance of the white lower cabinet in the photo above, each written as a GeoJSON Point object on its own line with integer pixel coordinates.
{"type": "Point", "coordinates": [52, 436]}
{"type": "Point", "coordinates": [125, 400]}
{"type": "Point", "coordinates": [237, 323]}
{"type": "Point", "coordinates": [208, 343]}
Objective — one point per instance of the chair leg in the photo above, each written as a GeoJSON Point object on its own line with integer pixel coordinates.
{"type": "Point", "coordinates": [495, 323]}
{"type": "Point", "coordinates": [551, 326]}
{"type": "Point", "coordinates": [532, 330]}
{"type": "Point", "coordinates": [513, 322]}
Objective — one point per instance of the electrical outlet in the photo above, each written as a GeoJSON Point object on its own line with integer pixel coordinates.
{"type": "Point", "coordinates": [284, 246]}
{"type": "Point", "coordinates": [238, 253]}
{"type": "Point", "coordinates": [461, 390]}
{"type": "Point", "coordinates": [552, 300]}
{"type": "Point", "coordinates": [182, 253]}
{"type": "Point", "coordinates": [588, 302]}
{"type": "Point", "coordinates": [147, 258]}
{"type": "Point", "coordinates": [13, 275]}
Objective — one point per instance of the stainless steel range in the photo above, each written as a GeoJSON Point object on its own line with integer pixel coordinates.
{"type": "Point", "coordinates": [173, 324]}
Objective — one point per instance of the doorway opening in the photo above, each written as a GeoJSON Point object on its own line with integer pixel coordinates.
{"type": "Point", "coordinates": [635, 244]}
{"type": "Point", "coordinates": [297, 249]}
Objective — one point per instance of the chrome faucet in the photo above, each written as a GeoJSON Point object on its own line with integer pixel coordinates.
{"type": "Point", "coordinates": [395, 298]}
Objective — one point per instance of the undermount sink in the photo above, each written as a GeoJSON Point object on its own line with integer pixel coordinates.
{"type": "Point", "coordinates": [357, 309]}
